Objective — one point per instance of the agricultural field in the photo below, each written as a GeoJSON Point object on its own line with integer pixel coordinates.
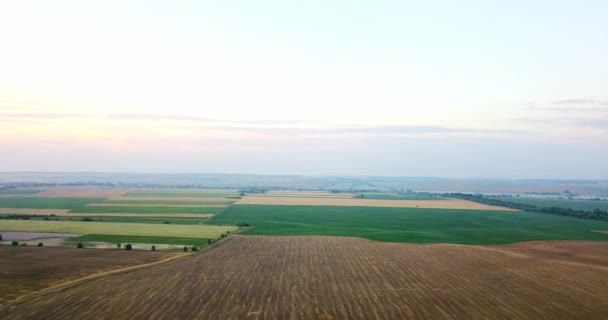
{"type": "Point", "coordinates": [146, 209]}
{"type": "Point", "coordinates": [352, 202]}
{"type": "Point", "coordinates": [117, 213]}
{"type": "Point", "coordinates": [250, 277]}
{"type": "Point", "coordinates": [111, 228]}
{"type": "Point", "coordinates": [415, 225]}
{"type": "Point", "coordinates": [26, 269]}
{"type": "Point", "coordinates": [19, 191]}
{"type": "Point", "coordinates": [587, 205]}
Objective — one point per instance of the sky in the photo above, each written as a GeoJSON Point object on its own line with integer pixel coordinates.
{"type": "Point", "coordinates": [458, 89]}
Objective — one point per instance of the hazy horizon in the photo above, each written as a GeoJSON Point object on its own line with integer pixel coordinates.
{"type": "Point", "coordinates": [345, 88]}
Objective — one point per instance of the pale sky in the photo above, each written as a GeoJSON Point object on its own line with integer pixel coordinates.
{"type": "Point", "coordinates": [402, 88]}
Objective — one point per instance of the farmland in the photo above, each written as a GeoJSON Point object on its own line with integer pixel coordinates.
{"type": "Point", "coordinates": [350, 202]}
{"type": "Point", "coordinates": [414, 225]}
{"type": "Point", "coordinates": [111, 228]}
{"type": "Point", "coordinates": [46, 203]}
{"type": "Point", "coordinates": [562, 203]}
{"type": "Point", "coordinates": [345, 278]}
{"type": "Point", "coordinates": [24, 270]}
{"type": "Point", "coordinates": [146, 209]}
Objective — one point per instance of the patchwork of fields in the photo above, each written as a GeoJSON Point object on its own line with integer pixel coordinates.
{"type": "Point", "coordinates": [345, 278]}
{"type": "Point", "coordinates": [286, 266]}
{"type": "Point", "coordinates": [118, 215]}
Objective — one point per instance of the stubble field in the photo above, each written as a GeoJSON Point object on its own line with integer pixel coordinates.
{"type": "Point", "coordinates": [25, 270]}
{"type": "Point", "coordinates": [351, 202]}
{"type": "Point", "coordinates": [250, 277]}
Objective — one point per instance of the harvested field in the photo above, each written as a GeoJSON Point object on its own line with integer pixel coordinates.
{"type": "Point", "coordinates": [145, 210]}
{"type": "Point", "coordinates": [26, 269]}
{"type": "Point", "coordinates": [432, 204]}
{"type": "Point", "coordinates": [28, 211]}
{"type": "Point", "coordinates": [22, 236]}
{"type": "Point", "coordinates": [141, 215]}
{"type": "Point", "coordinates": [127, 229]}
{"type": "Point", "coordinates": [181, 199]}
{"type": "Point", "coordinates": [569, 251]}
{"type": "Point", "coordinates": [110, 204]}
{"type": "Point", "coordinates": [339, 278]}
{"type": "Point", "coordinates": [307, 194]}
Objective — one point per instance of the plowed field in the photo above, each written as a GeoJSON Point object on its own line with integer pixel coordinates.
{"type": "Point", "coordinates": [343, 278]}
{"type": "Point", "coordinates": [24, 270]}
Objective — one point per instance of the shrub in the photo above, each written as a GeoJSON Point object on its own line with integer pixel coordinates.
{"type": "Point", "coordinates": [24, 244]}
{"type": "Point", "coordinates": [87, 219]}
{"type": "Point", "coordinates": [153, 248]}
{"type": "Point", "coordinates": [185, 249]}
{"type": "Point", "coordinates": [166, 222]}
{"type": "Point", "coordinates": [129, 247]}
{"type": "Point", "coordinates": [194, 249]}
{"type": "Point", "coordinates": [40, 244]}
{"type": "Point", "coordinates": [80, 245]}
{"type": "Point", "coordinates": [242, 225]}
{"type": "Point", "coordinates": [0, 237]}
{"type": "Point", "coordinates": [118, 245]}
{"type": "Point", "coordinates": [15, 243]}
{"type": "Point", "coordinates": [209, 241]}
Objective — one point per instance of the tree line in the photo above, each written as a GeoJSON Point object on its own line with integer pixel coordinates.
{"type": "Point", "coordinates": [596, 214]}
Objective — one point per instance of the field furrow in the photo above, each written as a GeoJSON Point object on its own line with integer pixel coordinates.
{"type": "Point", "coordinates": [254, 277]}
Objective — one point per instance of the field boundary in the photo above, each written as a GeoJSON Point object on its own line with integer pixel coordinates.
{"type": "Point", "coordinates": [89, 278]}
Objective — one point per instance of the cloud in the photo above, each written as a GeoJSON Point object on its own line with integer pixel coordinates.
{"type": "Point", "coordinates": [354, 130]}
{"type": "Point", "coordinates": [580, 102]}
{"type": "Point", "coordinates": [139, 117]}
{"type": "Point", "coordinates": [274, 128]}
{"type": "Point", "coordinates": [599, 123]}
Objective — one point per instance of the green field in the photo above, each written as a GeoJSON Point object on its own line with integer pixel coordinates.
{"type": "Point", "coordinates": [108, 228]}
{"type": "Point", "coordinates": [167, 210]}
{"type": "Point", "coordinates": [20, 191]}
{"type": "Point", "coordinates": [139, 239]}
{"type": "Point", "coordinates": [46, 203]}
{"type": "Point", "coordinates": [411, 224]}
{"type": "Point", "coordinates": [587, 205]}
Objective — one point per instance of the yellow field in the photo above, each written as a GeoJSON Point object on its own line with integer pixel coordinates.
{"type": "Point", "coordinates": [160, 205]}
{"type": "Point", "coordinates": [140, 215]}
{"type": "Point", "coordinates": [435, 204]}
{"type": "Point", "coordinates": [111, 228]}
{"type": "Point", "coordinates": [27, 211]}
{"type": "Point", "coordinates": [181, 199]}
{"type": "Point", "coordinates": [307, 194]}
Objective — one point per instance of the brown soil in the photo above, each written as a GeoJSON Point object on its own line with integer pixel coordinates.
{"type": "Point", "coordinates": [26, 269]}
{"type": "Point", "coordinates": [259, 277]}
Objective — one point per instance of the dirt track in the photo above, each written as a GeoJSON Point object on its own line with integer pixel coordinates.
{"type": "Point", "coordinates": [26, 269]}
{"type": "Point", "coordinates": [346, 278]}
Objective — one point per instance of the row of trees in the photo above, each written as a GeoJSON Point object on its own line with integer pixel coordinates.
{"type": "Point", "coordinates": [596, 214]}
